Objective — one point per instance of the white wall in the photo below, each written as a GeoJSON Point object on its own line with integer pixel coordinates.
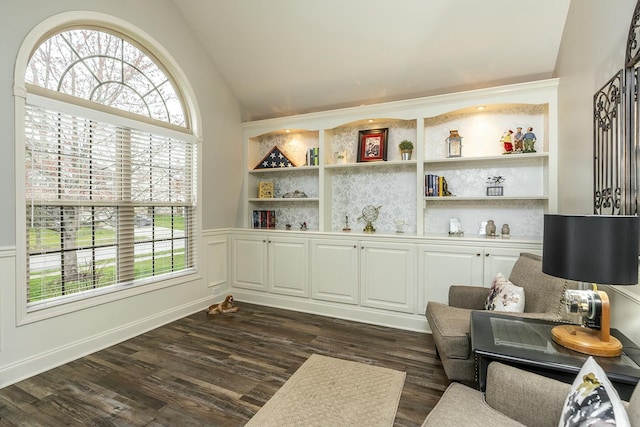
{"type": "Point", "coordinates": [30, 348]}
{"type": "Point", "coordinates": [592, 51]}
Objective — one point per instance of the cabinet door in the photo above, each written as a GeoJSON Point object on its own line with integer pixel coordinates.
{"type": "Point", "coordinates": [334, 270]}
{"type": "Point", "coordinates": [249, 262]}
{"type": "Point", "coordinates": [388, 276]}
{"type": "Point", "coordinates": [501, 260]}
{"type": "Point", "coordinates": [443, 266]}
{"type": "Point", "coordinates": [288, 266]}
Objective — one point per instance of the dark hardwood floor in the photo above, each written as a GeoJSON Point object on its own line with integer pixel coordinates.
{"type": "Point", "coordinates": [216, 371]}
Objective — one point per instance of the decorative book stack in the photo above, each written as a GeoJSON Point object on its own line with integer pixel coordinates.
{"type": "Point", "coordinates": [264, 219]}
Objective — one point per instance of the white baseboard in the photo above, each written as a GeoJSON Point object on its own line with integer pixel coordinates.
{"type": "Point", "coordinates": [410, 322]}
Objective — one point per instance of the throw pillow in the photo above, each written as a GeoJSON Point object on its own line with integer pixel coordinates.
{"type": "Point", "coordinates": [593, 400]}
{"type": "Point", "coordinates": [504, 296]}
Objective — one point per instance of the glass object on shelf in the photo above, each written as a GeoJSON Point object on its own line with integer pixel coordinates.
{"type": "Point", "coordinates": [340, 157]}
{"type": "Point", "coordinates": [454, 144]}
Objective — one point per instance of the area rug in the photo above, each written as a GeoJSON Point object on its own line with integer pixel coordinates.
{"type": "Point", "coordinates": [326, 391]}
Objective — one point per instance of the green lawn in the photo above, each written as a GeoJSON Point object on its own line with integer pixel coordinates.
{"type": "Point", "coordinates": [50, 239]}
{"type": "Point", "coordinates": [43, 285]}
{"type": "Point", "coordinates": [47, 284]}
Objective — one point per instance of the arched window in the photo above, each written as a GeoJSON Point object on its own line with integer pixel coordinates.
{"type": "Point", "coordinates": [110, 168]}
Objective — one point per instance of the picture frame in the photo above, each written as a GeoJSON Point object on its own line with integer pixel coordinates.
{"type": "Point", "coordinates": [372, 145]}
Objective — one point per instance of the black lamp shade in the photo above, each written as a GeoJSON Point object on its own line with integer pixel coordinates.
{"type": "Point", "coordinates": [594, 248]}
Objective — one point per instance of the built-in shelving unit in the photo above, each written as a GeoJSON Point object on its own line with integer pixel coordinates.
{"type": "Point", "coordinates": [339, 187]}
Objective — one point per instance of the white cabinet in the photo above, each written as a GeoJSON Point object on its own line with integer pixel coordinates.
{"type": "Point", "coordinates": [266, 263]}
{"type": "Point", "coordinates": [377, 279]}
{"type": "Point", "coordinates": [441, 266]}
{"type": "Point", "coordinates": [373, 274]}
{"type": "Point", "coordinates": [388, 276]}
{"type": "Point", "coordinates": [288, 266]}
{"type": "Point", "coordinates": [334, 270]}
{"type": "Point", "coordinates": [249, 262]}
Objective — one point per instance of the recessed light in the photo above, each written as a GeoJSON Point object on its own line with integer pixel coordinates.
{"type": "Point", "coordinates": [370, 120]}
{"type": "Point", "coordinates": [287, 130]}
{"type": "Point", "coordinates": [480, 107]}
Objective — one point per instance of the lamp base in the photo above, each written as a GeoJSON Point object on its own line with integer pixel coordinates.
{"type": "Point", "coordinates": [585, 340]}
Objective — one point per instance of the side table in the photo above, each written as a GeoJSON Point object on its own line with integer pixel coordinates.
{"type": "Point", "coordinates": [527, 344]}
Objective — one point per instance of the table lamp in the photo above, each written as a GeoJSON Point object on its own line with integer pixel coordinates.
{"type": "Point", "coordinates": [596, 249]}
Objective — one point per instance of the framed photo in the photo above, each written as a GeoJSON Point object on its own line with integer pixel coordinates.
{"type": "Point", "coordinates": [265, 190]}
{"type": "Point", "coordinates": [372, 145]}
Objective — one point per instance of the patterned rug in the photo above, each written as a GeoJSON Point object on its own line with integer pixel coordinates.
{"type": "Point", "coordinates": [326, 391]}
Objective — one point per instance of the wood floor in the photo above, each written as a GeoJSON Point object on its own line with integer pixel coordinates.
{"type": "Point", "coordinates": [216, 371]}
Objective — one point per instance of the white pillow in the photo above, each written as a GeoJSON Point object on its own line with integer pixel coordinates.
{"type": "Point", "coordinates": [592, 400]}
{"type": "Point", "coordinates": [505, 296]}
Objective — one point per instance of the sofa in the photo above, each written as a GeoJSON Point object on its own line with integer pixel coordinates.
{"type": "Point", "coordinates": [449, 323]}
{"type": "Point", "coordinates": [513, 398]}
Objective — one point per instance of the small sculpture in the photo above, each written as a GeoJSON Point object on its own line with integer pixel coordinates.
{"type": "Point", "coordinates": [506, 141]}
{"type": "Point", "coordinates": [224, 307]}
{"type": "Point", "coordinates": [491, 228]}
{"type": "Point", "coordinates": [297, 194]}
{"type": "Point", "coordinates": [518, 140]}
{"type": "Point", "coordinates": [505, 231]}
{"type": "Point", "coordinates": [529, 141]}
{"type": "Point", "coordinates": [346, 224]}
{"type": "Point", "coordinates": [303, 226]}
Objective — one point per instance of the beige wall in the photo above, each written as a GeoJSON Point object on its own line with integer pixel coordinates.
{"type": "Point", "coordinates": [33, 347]}
{"type": "Point", "coordinates": [592, 50]}
{"type": "Point", "coordinates": [220, 110]}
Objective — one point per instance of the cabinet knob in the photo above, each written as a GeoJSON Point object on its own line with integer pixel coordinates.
{"type": "Point", "coordinates": [478, 254]}
{"type": "Point", "coordinates": [361, 247]}
{"type": "Point", "coordinates": [487, 254]}
{"type": "Point", "coordinates": [355, 246]}
{"type": "Point", "coordinates": [264, 241]}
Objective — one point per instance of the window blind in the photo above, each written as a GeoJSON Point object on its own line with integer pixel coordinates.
{"type": "Point", "coordinates": [109, 201]}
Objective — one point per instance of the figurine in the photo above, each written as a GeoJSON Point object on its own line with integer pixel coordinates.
{"type": "Point", "coordinates": [304, 226]}
{"type": "Point", "coordinates": [518, 140]}
{"type": "Point", "coordinates": [529, 141]}
{"type": "Point", "coordinates": [346, 224]}
{"type": "Point", "coordinates": [506, 141]}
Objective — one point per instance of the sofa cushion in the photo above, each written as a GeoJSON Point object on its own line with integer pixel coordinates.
{"type": "Point", "coordinates": [450, 329]}
{"type": "Point", "coordinates": [459, 403]}
{"type": "Point", "coordinates": [592, 400]}
{"type": "Point", "coordinates": [504, 296]}
{"type": "Point", "coordinates": [545, 294]}
{"type": "Point", "coordinates": [510, 391]}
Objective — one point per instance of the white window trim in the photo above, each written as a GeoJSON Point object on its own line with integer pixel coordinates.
{"type": "Point", "coordinates": [24, 315]}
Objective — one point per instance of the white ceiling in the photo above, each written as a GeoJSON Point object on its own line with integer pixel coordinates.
{"type": "Point", "coordinates": [283, 57]}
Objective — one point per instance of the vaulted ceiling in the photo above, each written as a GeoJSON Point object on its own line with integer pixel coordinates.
{"type": "Point", "coordinates": [283, 57]}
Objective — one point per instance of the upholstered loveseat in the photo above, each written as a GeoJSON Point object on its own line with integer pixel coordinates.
{"type": "Point", "coordinates": [513, 398]}
{"type": "Point", "coordinates": [544, 298]}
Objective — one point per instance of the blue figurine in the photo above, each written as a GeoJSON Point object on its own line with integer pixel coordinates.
{"type": "Point", "coordinates": [529, 141]}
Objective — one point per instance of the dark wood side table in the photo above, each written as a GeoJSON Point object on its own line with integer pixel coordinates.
{"type": "Point", "coordinates": [527, 344]}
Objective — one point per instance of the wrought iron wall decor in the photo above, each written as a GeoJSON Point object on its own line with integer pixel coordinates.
{"type": "Point", "coordinates": [615, 134]}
